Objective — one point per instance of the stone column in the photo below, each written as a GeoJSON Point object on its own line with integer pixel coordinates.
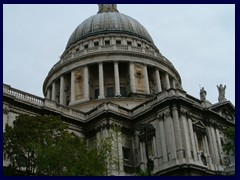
{"type": "Point", "coordinates": [101, 81]}
{"type": "Point", "coordinates": [53, 91]}
{"type": "Point", "coordinates": [154, 146]}
{"type": "Point", "coordinates": [132, 77]}
{"type": "Point", "coordinates": [163, 140]}
{"type": "Point", "coordinates": [86, 83]}
{"type": "Point", "coordinates": [124, 41]}
{"type": "Point", "coordinates": [147, 91]}
{"type": "Point", "coordinates": [72, 87]}
{"type": "Point", "coordinates": [119, 154]}
{"type": "Point", "coordinates": [116, 78]}
{"type": "Point", "coordinates": [196, 142]}
{"type": "Point", "coordinates": [171, 143]}
{"type": "Point", "coordinates": [178, 133]}
{"type": "Point", "coordinates": [62, 99]}
{"type": "Point", "coordinates": [158, 81]}
{"type": "Point", "coordinates": [210, 165]}
{"type": "Point", "coordinates": [186, 138]}
{"type": "Point", "coordinates": [141, 151]}
{"type": "Point", "coordinates": [192, 139]}
{"type": "Point", "coordinates": [157, 144]}
{"type": "Point", "coordinates": [174, 84]}
{"type": "Point", "coordinates": [219, 146]}
{"type": "Point", "coordinates": [112, 41]}
{"type": "Point", "coordinates": [215, 148]}
{"type": "Point", "coordinates": [48, 93]}
{"type": "Point", "coordinates": [167, 81]}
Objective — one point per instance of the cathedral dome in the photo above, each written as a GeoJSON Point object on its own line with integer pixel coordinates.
{"type": "Point", "coordinates": [110, 57]}
{"type": "Point", "coordinates": [107, 22]}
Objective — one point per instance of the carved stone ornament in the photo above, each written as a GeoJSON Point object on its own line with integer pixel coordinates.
{"type": "Point", "coordinates": [6, 110]}
{"type": "Point", "coordinates": [139, 71]}
{"type": "Point", "coordinates": [183, 112]}
{"type": "Point", "coordinates": [227, 115]}
{"type": "Point", "coordinates": [160, 116]}
{"type": "Point", "coordinates": [167, 114]}
{"type": "Point", "coordinates": [79, 74]}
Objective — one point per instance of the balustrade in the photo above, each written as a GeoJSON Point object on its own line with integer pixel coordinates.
{"type": "Point", "coordinates": [25, 96]}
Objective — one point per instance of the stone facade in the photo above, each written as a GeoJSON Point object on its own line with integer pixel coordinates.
{"type": "Point", "coordinates": [117, 78]}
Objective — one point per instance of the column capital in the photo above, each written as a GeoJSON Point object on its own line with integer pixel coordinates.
{"type": "Point", "coordinates": [174, 107]}
{"type": "Point", "coordinates": [183, 111]}
{"type": "Point", "coordinates": [167, 114]}
{"type": "Point", "coordinates": [160, 116]}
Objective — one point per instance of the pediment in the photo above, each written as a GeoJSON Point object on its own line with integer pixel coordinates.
{"type": "Point", "coordinates": [225, 109]}
{"type": "Point", "coordinates": [199, 126]}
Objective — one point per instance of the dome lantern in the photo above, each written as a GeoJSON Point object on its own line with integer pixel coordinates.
{"type": "Point", "coordinates": [107, 8]}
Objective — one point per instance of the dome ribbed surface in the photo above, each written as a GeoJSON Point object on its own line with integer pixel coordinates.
{"type": "Point", "coordinates": [108, 22]}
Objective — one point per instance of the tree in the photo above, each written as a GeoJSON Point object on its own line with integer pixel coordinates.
{"type": "Point", "coordinates": [230, 143]}
{"type": "Point", "coordinates": [41, 145]}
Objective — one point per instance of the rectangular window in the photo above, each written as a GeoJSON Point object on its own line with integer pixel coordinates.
{"type": "Point", "coordinates": [85, 46]}
{"type": "Point", "coordinates": [118, 42]}
{"type": "Point", "coordinates": [150, 147]}
{"type": "Point", "coordinates": [107, 42]}
{"type": "Point", "coordinates": [123, 91]}
{"type": "Point", "coordinates": [139, 45]}
{"type": "Point", "coordinates": [96, 44]}
{"type": "Point", "coordinates": [129, 43]}
{"type": "Point", "coordinates": [200, 141]}
{"type": "Point", "coordinates": [96, 93]}
{"type": "Point", "coordinates": [110, 92]}
{"type": "Point", "coordinates": [126, 153]}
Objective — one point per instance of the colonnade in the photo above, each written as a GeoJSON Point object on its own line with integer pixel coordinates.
{"type": "Point", "coordinates": [60, 95]}
{"type": "Point", "coordinates": [176, 140]}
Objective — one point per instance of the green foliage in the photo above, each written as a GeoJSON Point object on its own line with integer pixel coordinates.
{"type": "Point", "coordinates": [42, 145]}
{"type": "Point", "coordinates": [144, 173]}
{"type": "Point", "coordinates": [230, 143]}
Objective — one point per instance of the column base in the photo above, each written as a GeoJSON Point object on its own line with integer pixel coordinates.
{"type": "Point", "coordinates": [101, 97]}
{"type": "Point", "coordinates": [78, 101]}
{"type": "Point", "coordinates": [118, 95]}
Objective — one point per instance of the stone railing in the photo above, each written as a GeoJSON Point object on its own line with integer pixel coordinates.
{"type": "Point", "coordinates": [108, 106]}
{"type": "Point", "coordinates": [22, 95]}
{"type": "Point", "coordinates": [90, 50]}
{"type": "Point", "coordinates": [65, 110]}
{"type": "Point", "coordinates": [67, 58]}
{"type": "Point", "coordinates": [42, 102]}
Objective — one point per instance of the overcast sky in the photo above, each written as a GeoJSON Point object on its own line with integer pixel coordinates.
{"type": "Point", "coordinates": [198, 39]}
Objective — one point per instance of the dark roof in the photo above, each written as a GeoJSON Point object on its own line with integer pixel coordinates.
{"type": "Point", "coordinates": [108, 22]}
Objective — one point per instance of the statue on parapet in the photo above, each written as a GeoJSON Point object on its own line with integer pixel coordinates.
{"type": "Point", "coordinates": [205, 103]}
{"type": "Point", "coordinates": [203, 94]}
{"type": "Point", "coordinates": [221, 91]}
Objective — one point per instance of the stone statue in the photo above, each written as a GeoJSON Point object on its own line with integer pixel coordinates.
{"type": "Point", "coordinates": [221, 91]}
{"type": "Point", "coordinates": [203, 94]}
